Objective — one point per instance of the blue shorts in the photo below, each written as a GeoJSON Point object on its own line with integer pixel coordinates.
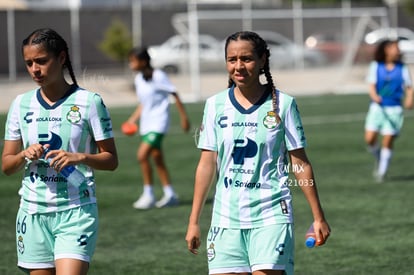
{"type": "Point", "coordinates": [43, 238]}
{"type": "Point", "coordinates": [246, 250]}
{"type": "Point", "coordinates": [387, 120]}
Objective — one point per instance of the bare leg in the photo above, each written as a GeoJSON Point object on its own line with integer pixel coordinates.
{"type": "Point", "coordinates": [371, 138]}
{"type": "Point", "coordinates": [388, 141]}
{"type": "Point", "coordinates": [143, 155]}
{"type": "Point", "coordinates": [269, 272]}
{"type": "Point", "coordinates": [161, 167]}
{"type": "Point", "coordinates": [71, 266]}
{"type": "Point", "coordinates": [49, 271]}
{"type": "Point", "coordinates": [147, 199]}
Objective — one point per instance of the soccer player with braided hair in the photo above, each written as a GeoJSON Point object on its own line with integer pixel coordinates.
{"type": "Point", "coordinates": [251, 137]}
{"type": "Point", "coordinates": [57, 221]}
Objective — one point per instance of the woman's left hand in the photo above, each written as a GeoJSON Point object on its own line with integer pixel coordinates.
{"type": "Point", "coordinates": [322, 231]}
{"type": "Point", "coordinates": [61, 158]}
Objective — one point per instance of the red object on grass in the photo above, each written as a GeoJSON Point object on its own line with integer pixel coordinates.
{"type": "Point", "coordinates": [129, 129]}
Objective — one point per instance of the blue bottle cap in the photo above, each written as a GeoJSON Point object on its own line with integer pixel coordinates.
{"type": "Point", "coordinates": [310, 242]}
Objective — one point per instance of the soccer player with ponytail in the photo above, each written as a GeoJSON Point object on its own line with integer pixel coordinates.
{"type": "Point", "coordinates": [250, 134]}
{"type": "Point", "coordinates": [57, 221]}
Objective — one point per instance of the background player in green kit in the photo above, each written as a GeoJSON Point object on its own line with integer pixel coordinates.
{"type": "Point", "coordinates": [57, 222]}
{"type": "Point", "coordinates": [249, 133]}
{"type": "Point", "coordinates": [153, 89]}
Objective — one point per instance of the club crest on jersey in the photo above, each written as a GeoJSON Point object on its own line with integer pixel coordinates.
{"type": "Point", "coordinates": [270, 121]}
{"type": "Point", "coordinates": [73, 116]}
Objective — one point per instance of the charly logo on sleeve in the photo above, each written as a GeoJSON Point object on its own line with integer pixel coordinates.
{"type": "Point", "coordinates": [74, 116]}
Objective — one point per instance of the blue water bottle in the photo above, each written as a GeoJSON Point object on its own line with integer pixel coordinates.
{"type": "Point", "coordinates": [73, 175]}
{"type": "Point", "coordinates": [310, 237]}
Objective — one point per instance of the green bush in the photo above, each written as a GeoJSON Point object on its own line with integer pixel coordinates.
{"type": "Point", "coordinates": [117, 41]}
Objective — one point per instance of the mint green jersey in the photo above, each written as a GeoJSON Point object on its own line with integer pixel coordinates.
{"type": "Point", "coordinates": [73, 124]}
{"type": "Point", "coordinates": [252, 162]}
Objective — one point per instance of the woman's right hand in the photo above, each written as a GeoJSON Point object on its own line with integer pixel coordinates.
{"type": "Point", "coordinates": [193, 238]}
{"type": "Point", "coordinates": [33, 152]}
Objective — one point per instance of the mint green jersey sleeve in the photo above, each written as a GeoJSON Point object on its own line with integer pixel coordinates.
{"type": "Point", "coordinates": [294, 133]}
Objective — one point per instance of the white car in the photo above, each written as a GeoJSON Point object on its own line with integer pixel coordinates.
{"type": "Point", "coordinates": [284, 53]}
{"type": "Point", "coordinates": [404, 36]}
{"type": "Point", "coordinates": [173, 56]}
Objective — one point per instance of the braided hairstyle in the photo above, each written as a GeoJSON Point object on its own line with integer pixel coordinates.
{"type": "Point", "coordinates": [53, 43]}
{"type": "Point", "coordinates": [260, 48]}
{"type": "Point", "coordinates": [142, 54]}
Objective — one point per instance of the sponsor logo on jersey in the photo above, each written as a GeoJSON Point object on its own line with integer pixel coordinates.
{"type": "Point", "coordinates": [48, 119]}
{"type": "Point", "coordinates": [107, 129]}
{"type": "Point", "coordinates": [83, 240]}
{"type": "Point", "coordinates": [27, 117]}
{"type": "Point", "coordinates": [247, 184]}
{"type": "Point", "coordinates": [280, 248]}
{"type": "Point", "coordinates": [284, 207]}
{"type": "Point", "coordinates": [221, 122]}
{"type": "Point", "coordinates": [53, 178]}
{"type": "Point", "coordinates": [244, 124]}
{"type": "Point", "coordinates": [228, 182]}
{"type": "Point", "coordinates": [54, 140]}
{"type": "Point", "coordinates": [243, 149]}
{"type": "Point", "coordinates": [241, 170]}
{"type": "Point", "coordinates": [105, 119]}
{"type": "Point", "coordinates": [73, 116]}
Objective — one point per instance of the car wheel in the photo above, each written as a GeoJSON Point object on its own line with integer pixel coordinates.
{"type": "Point", "coordinates": [171, 69]}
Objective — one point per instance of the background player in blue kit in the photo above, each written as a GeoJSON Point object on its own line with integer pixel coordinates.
{"type": "Point", "coordinates": [389, 84]}
{"type": "Point", "coordinates": [57, 222]}
{"type": "Point", "coordinates": [249, 135]}
{"type": "Point", "coordinates": [153, 89]}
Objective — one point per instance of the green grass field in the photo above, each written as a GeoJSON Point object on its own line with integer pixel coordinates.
{"type": "Point", "coordinates": [372, 224]}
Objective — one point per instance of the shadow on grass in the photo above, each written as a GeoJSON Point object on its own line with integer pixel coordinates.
{"type": "Point", "coordinates": [401, 178]}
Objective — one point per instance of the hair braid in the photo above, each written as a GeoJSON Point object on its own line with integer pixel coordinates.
{"type": "Point", "coordinates": [272, 87]}
{"type": "Point", "coordinates": [68, 64]}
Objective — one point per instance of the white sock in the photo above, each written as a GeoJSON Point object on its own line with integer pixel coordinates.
{"type": "Point", "coordinates": [385, 157]}
{"type": "Point", "coordinates": [148, 190]}
{"type": "Point", "coordinates": [168, 190]}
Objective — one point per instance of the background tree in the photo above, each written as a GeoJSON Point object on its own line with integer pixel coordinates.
{"type": "Point", "coordinates": [117, 41]}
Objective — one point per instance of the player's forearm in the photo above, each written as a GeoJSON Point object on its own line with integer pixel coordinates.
{"type": "Point", "coordinates": [373, 94]}
{"type": "Point", "coordinates": [135, 115]}
{"type": "Point", "coordinates": [309, 189]}
{"type": "Point", "coordinates": [180, 108]}
{"type": "Point", "coordinates": [203, 182]}
{"type": "Point", "coordinates": [13, 163]}
{"type": "Point", "coordinates": [408, 101]}
{"type": "Point", "coordinates": [100, 161]}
